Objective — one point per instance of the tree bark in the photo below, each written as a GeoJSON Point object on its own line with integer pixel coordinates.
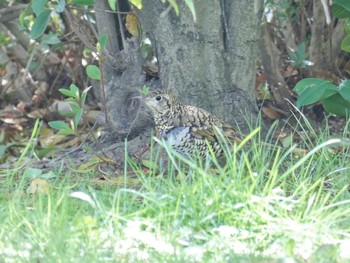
{"type": "Point", "coordinates": [276, 82]}
{"type": "Point", "coordinates": [209, 62]}
{"type": "Point", "coordinates": [325, 39]}
{"type": "Point", "coordinates": [123, 78]}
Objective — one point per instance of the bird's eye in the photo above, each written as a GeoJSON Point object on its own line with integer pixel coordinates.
{"type": "Point", "coordinates": [158, 98]}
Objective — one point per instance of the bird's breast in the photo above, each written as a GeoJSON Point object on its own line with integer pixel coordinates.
{"type": "Point", "coordinates": [177, 139]}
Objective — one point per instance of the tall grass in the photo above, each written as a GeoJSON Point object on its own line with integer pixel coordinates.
{"type": "Point", "coordinates": [263, 204]}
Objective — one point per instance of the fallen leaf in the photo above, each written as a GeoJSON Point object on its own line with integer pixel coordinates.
{"type": "Point", "coordinates": [132, 24]}
{"type": "Point", "coordinates": [90, 165]}
{"type": "Point", "coordinates": [271, 113]}
{"type": "Point", "coordinates": [38, 186]}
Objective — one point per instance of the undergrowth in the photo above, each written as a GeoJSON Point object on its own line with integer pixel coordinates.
{"type": "Point", "coordinates": [261, 204]}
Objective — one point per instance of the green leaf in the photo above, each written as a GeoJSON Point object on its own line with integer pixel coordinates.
{"type": "Point", "coordinates": [42, 152]}
{"type": "Point", "coordinates": [23, 16]}
{"type": "Point", "coordinates": [102, 43]}
{"type": "Point", "coordinates": [93, 72]}
{"type": "Point", "coordinates": [58, 125]}
{"type": "Point", "coordinates": [87, 53]}
{"type": "Point", "coordinates": [50, 39]}
{"type": "Point", "coordinates": [84, 2]}
{"type": "Point", "coordinates": [304, 84]}
{"type": "Point", "coordinates": [313, 90]}
{"type": "Point", "coordinates": [84, 95]}
{"type": "Point", "coordinates": [299, 56]}
{"type": "Point", "coordinates": [345, 44]}
{"type": "Point", "coordinates": [337, 105]}
{"type": "Point", "coordinates": [113, 4]}
{"type": "Point", "coordinates": [40, 24]}
{"type": "Point", "coordinates": [77, 117]}
{"type": "Point", "coordinates": [66, 92]}
{"type": "Point", "coordinates": [38, 6]}
{"type": "Point", "coordinates": [22, 19]}
{"type": "Point", "coordinates": [341, 8]}
{"type": "Point", "coordinates": [75, 90]}
{"type": "Point", "coordinates": [74, 107]}
{"type": "Point", "coordinates": [145, 90]}
{"type": "Point", "coordinates": [137, 3]}
{"type": "Point", "coordinates": [32, 173]}
{"type": "Point", "coordinates": [71, 99]}
{"type": "Point", "coordinates": [49, 175]}
{"type": "Point", "coordinates": [175, 6]}
{"type": "Point", "coordinates": [344, 89]}
{"type": "Point", "coordinates": [347, 26]}
{"type": "Point", "coordinates": [190, 5]}
{"type": "Point", "coordinates": [68, 131]}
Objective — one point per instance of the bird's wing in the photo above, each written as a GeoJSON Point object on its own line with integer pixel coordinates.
{"type": "Point", "coordinates": [212, 133]}
{"type": "Point", "coordinates": [231, 133]}
{"type": "Point", "coordinates": [203, 125]}
{"type": "Point", "coordinates": [203, 133]}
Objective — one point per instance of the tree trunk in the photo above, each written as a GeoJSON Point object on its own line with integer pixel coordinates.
{"type": "Point", "coordinates": [276, 82]}
{"type": "Point", "coordinates": [209, 62]}
{"type": "Point", "coordinates": [325, 39]}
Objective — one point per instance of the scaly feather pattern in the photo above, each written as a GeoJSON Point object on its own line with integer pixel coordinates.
{"type": "Point", "coordinates": [187, 129]}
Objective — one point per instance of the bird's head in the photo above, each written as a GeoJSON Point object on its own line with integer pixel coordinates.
{"type": "Point", "coordinates": [160, 101]}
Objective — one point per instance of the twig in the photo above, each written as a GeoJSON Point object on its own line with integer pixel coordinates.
{"type": "Point", "coordinates": [13, 8]}
{"type": "Point", "coordinates": [99, 10]}
{"type": "Point", "coordinates": [326, 11]}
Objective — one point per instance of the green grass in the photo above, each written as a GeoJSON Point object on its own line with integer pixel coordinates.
{"type": "Point", "coordinates": [265, 205]}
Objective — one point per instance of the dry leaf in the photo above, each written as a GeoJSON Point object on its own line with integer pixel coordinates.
{"type": "Point", "coordinates": [38, 186]}
{"type": "Point", "coordinates": [271, 113]}
{"type": "Point", "coordinates": [51, 140]}
{"type": "Point", "coordinates": [132, 24]}
{"type": "Point", "coordinates": [90, 165]}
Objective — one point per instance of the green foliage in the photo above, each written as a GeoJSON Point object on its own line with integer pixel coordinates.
{"type": "Point", "coordinates": [4, 39]}
{"type": "Point", "coordinates": [42, 16]}
{"type": "Point", "coordinates": [113, 5]}
{"type": "Point", "coordinates": [76, 103]}
{"type": "Point", "coordinates": [341, 8]}
{"type": "Point", "coordinates": [335, 99]}
{"type": "Point", "coordinates": [40, 24]}
{"type": "Point", "coordinates": [262, 206]}
{"type": "Point", "coordinates": [83, 2]}
{"type": "Point", "coordinates": [93, 72]}
{"type": "Point", "coordinates": [101, 44]}
{"type": "Point", "coordinates": [345, 44]}
{"type": "Point", "coordinates": [145, 90]}
{"type": "Point", "coordinates": [312, 90]}
{"type": "Point", "coordinates": [174, 5]}
{"type": "Point", "coordinates": [299, 56]}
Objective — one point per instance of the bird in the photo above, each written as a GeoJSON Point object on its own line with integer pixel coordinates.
{"type": "Point", "coordinates": [187, 129]}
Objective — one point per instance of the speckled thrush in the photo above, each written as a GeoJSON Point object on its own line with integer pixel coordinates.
{"type": "Point", "coordinates": [187, 129]}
